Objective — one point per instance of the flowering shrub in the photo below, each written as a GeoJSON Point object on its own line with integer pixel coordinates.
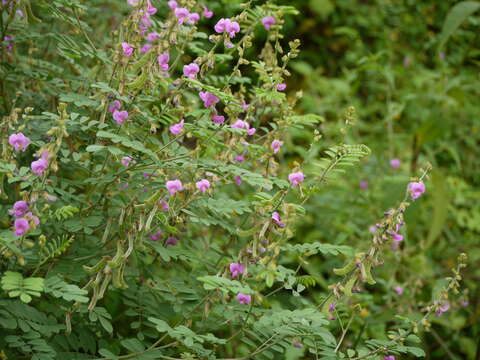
{"type": "Point", "coordinates": [151, 204]}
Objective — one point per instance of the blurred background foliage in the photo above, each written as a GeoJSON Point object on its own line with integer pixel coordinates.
{"type": "Point", "coordinates": [416, 100]}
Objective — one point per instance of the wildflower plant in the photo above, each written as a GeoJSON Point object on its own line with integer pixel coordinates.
{"type": "Point", "coordinates": [150, 198]}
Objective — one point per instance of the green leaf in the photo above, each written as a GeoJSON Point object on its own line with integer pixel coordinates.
{"type": "Point", "coordinates": [457, 15]}
{"type": "Point", "coordinates": [60, 289]}
{"type": "Point", "coordinates": [17, 286]}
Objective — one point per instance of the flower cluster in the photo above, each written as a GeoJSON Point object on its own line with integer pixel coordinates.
{"type": "Point", "coordinates": [24, 219]}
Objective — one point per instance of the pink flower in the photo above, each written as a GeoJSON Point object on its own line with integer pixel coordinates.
{"type": "Point", "coordinates": [395, 163]}
{"type": "Point", "coordinates": [297, 345]}
{"type": "Point", "coordinates": [276, 144]}
{"type": "Point", "coordinates": [20, 208]}
{"type": "Point", "coordinates": [127, 49]}
{"type": "Point", "coordinates": [220, 26]}
{"type": "Point", "coordinates": [193, 18]}
{"type": "Point", "coordinates": [232, 28]}
{"type": "Point", "coordinates": [126, 160]}
{"type": "Point", "coordinates": [363, 185]}
{"type": "Point", "coordinates": [177, 128]}
{"type": "Point", "coordinates": [145, 48]}
{"type": "Point", "coordinates": [171, 241]}
{"type": "Point", "coordinates": [191, 70]}
{"type": "Point", "coordinates": [218, 119]}
{"type": "Point", "coordinates": [19, 141]}
{"type": "Point", "coordinates": [236, 269]}
{"type": "Point", "coordinates": [442, 308]}
{"type": "Point", "coordinates": [244, 299]}
{"type": "Point", "coordinates": [120, 116]}
{"type": "Point", "coordinates": [226, 25]}
{"type": "Point", "coordinates": [268, 21]}
{"type": "Point", "coordinates": [172, 4]}
{"type": "Point", "coordinates": [181, 14]}
{"type": "Point", "coordinates": [416, 189]}
{"type": "Point", "coordinates": [21, 226]}
{"type": "Point", "coordinates": [398, 290]}
{"type": "Point", "coordinates": [163, 60]}
{"type": "Point", "coordinates": [153, 36]}
{"type": "Point", "coordinates": [29, 216]}
{"type": "Point", "coordinates": [296, 178]}
{"type": "Point", "coordinates": [239, 158]}
{"type": "Point", "coordinates": [238, 180]}
{"type": "Point", "coordinates": [281, 87]}
{"type": "Point", "coordinates": [251, 131]}
{"type": "Point", "coordinates": [150, 9]}
{"type": "Point", "coordinates": [164, 205]}
{"type": "Point", "coordinates": [116, 105]}
{"type": "Point", "coordinates": [277, 219]}
{"type": "Point", "coordinates": [133, 2]}
{"type": "Point", "coordinates": [245, 106]}
{"type": "Point", "coordinates": [207, 13]}
{"type": "Point", "coordinates": [373, 228]}
{"type": "Point", "coordinates": [209, 99]}
{"type": "Point", "coordinates": [203, 185]}
{"type": "Point", "coordinates": [173, 186]}
{"type": "Point", "coordinates": [240, 124]}
{"type": "Point", "coordinates": [389, 357]}
{"type": "Point", "coordinates": [39, 166]}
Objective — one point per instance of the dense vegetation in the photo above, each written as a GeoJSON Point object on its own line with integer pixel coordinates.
{"type": "Point", "coordinates": [256, 180]}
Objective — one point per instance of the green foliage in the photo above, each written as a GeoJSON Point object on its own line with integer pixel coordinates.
{"type": "Point", "coordinates": [18, 286]}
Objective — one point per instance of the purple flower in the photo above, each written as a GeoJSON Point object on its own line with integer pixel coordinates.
{"type": "Point", "coordinates": [191, 70]}
{"type": "Point", "coordinates": [220, 26]}
{"type": "Point", "coordinates": [268, 21]}
{"type": "Point", "coordinates": [19, 13]}
{"type": "Point", "coordinates": [39, 166]}
{"type": "Point", "coordinates": [173, 186]}
{"type": "Point", "coordinates": [331, 307]}
{"type": "Point", "coordinates": [245, 106]}
{"type": "Point", "coordinates": [172, 4]}
{"type": "Point", "coordinates": [209, 99]}
{"type": "Point", "coordinates": [236, 269]}
{"type": "Point", "coordinates": [20, 208]}
{"type": "Point", "coordinates": [398, 290]}
{"type": "Point", "coordinates": [207, 13]}
{"type": "Point", "coordinates": [281, 87]}
{"type": "Point", "coordinates": [163, 60]}
{"type": "Point", "coordinates": [181, 14]}
{"type": "Point", "coordinates": [363, 185]}
{"type": "Point", "coordinates": [238, 180]}
{"type": "Point", "coordinates": [389, 357]}
{"type": "Point", "coordinates": [244, 299]}
{"type": "Point", "coordinates": [276, 144]}
{"type": "Point", "coordinates": [218, 119]}
{"type": "Point", "coordinates": [177, 128]}
{"type": "Point", "coordinates": [156, 236]}
{"type": "Point", "coordinates": [116, 105]}
{"type": "Point", "coordinates": [296, 178]}
{"type": "Point", "coordinates": [171, 241]}
{"type": "Point", "coordinates": [126, 160]}
{"type": "Point", "coordinates": [145, 48]}
{"type": "Point", "coordinates": [19, 141]}
{"type": "Point", "coordinates": [251, 131]}
{"type": "Point", "coordinates": [120, 116]}
{"type": "Point", "coordinates": [297, 345]}
{"type": "Point", "coordinates": [153, 36]}
{"type": "Point", "coordinates": [416, 189]}
{"type": "Point", "coordinates": [21, 226]}
{"type": "Point", "coordinates": [133, 2]}
{"type": "Point", "coordinates": [203, 185]}
{"type": "Point", "coordinates": [277, 219]}
{"type": "Point", "coordinates": [193, 18]}
{"type": "Point", "coordinates": [127, 49]}
{"type": "Point", "coordinates": [442, 308]}
{"type": "Point", "coordinates": [395, 163]}
{"type": "Point", "coordinates": [373, 228]}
